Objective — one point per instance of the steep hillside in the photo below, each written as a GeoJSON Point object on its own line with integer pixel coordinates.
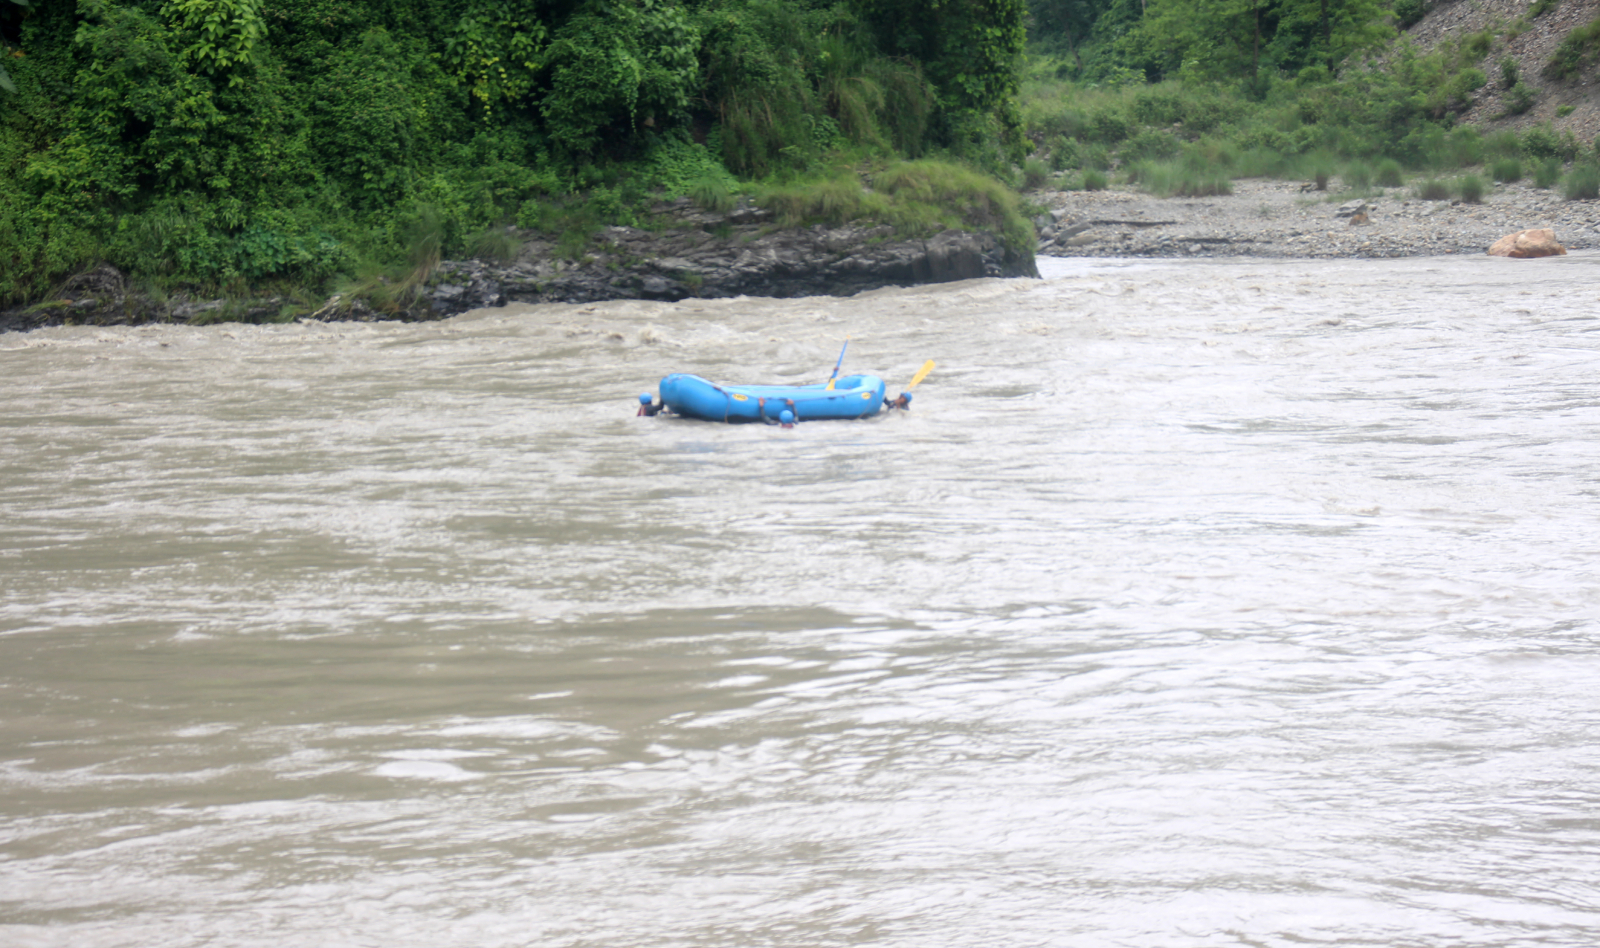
{"type": "Point", "coordinates": [1529, 41]}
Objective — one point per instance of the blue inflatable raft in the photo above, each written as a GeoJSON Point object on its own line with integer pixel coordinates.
{"type": "Point", "coordinates": [853, 396]}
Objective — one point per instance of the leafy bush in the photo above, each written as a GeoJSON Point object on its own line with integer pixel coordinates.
{"type": "Point", "coordinates": [1519, 98]}
{"type": "Point", "coordinates": [1475, 46]}
{"type": "Point", "coordinates": [1097, 157]}
{"type": "Point", "coordinates": [1409, 13]}
{"type": "Point", "coordinates": [1577, 50]}
{"type": "Point", "coordinates": [1064, 153]}
{"type": "Point", "coordinates": [1541, 141]}
{"type": "Point", "coordinates": [1108, 126]}
{"type": "Point", "coordinates": [1151, 143]}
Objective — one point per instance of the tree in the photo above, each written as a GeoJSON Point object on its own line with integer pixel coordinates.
{"type": "Point", "coordinates": [1218, 39]}
{"type": "Point", "coordinates": [970, 51]}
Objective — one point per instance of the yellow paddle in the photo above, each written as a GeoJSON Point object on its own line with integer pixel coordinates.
{"type": "Point", "coordinates": [904, 399]}
{"type": "Point", "coordinates": [922, 373]}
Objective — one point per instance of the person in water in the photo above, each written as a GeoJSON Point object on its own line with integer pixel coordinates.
{"type": "Point", "coordinates": [649, 409]}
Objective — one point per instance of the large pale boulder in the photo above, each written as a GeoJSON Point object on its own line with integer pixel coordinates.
{"type": "Point", "coordinates": [1539, 242]}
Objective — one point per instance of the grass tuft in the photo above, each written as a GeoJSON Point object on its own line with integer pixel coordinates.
{"type": "Point", "coordinates": [1433, 189]}
{"type": "Point", "coordinates": [1582, 184]}
{"type": "Point", "coordinates": [1506, 170]}
{"type": "Point", "coordinates": [1548, 173]}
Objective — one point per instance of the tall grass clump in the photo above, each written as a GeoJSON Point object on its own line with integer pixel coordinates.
{"type": "Point", "coordinates": [1582, 184]}
{"type": "Point", "coordinates": [1470, 189]}
{"type": "Point", "coordinates": [917, 198]}
{"type": "Point", "coordinates": [1388, 174]}
{"type": "Point", "coordinates": [1357, 177]}
{"type": "Point", "coordinates": [1506, 170]}
{"type": "Point", "coordinates": [1035, 174]}
{"type": "Point", "coordinates": [833, 200]}
{"type": "Point", "coordinates": [935, 195]}
{"type": "Point", "coordinates": [1433, 189]}
{"type": "Point", "coordinates": [1179, 179]}
{"type": "Point", "coordinates": [1263, 163]}
{"type": "Point", "coordinates": [1547, 174]}
{"type": "Point", "coordinates": [711, 193]}
{"type": "Point", "coordinates": [496, 243]}
{"type": "Point", "coordinates": [1094, 179]}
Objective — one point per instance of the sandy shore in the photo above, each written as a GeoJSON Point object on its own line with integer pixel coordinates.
{"type": "Point", "coordinates": [1266, 218]}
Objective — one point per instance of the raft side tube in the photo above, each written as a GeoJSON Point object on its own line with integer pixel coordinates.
{"type": "Point", "coordinates": [854, 396]}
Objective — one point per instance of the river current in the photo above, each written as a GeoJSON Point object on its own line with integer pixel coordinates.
{"type": "Point", "coordinates": [1194, 603]}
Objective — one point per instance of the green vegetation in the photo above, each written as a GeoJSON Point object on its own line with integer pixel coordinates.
{"type": "Point", "coordinates": [1433, 189]}
{"type": "Point", "coordinates": [1547, 174]}
{"type": "Point", "coordinates": [1579, 49]}
{"type": "Point", "coordinates": [1506, 170]}
{"type": "Point", "coordinates": [1583, 184]}
{"type": "Point", "coordinates": [234, 145]}
{"type": "Point", "coordinates": [307, 146]}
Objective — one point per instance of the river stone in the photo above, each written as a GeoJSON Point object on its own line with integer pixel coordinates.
{"type": "Point", "coordinates": [1537, 242]}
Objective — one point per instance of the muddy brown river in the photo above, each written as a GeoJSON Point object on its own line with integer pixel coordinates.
{"type": "Point", "coordinates": [1195, 604]}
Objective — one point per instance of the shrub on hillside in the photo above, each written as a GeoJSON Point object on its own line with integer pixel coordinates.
{"type": "Point", "coordinates": [1508, 73]}
{"type": "Point", "coordinates": [1542, 141]}
{"type": "Point", "coordinates": [1409, 13]}
{"type": "Point", "coordinates": [1519, 98]}
{"type": "Point", "coordinates": [1576, 51]}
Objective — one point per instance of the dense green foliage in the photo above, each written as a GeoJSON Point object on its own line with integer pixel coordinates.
{"type": "Point", "coordinates": [1180, 95]}
{"type": "Point", "coordinates": [226, 143]}
{"type": "Point", "coordinates": [236, 144]}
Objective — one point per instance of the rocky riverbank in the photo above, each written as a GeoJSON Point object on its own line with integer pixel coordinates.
{"type": "Point", "coordinates": [742, 253]}
{"type": "Point", "coordinates": [1265, 218]}
{"type": "Point", "coordinates": [688, 253]}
